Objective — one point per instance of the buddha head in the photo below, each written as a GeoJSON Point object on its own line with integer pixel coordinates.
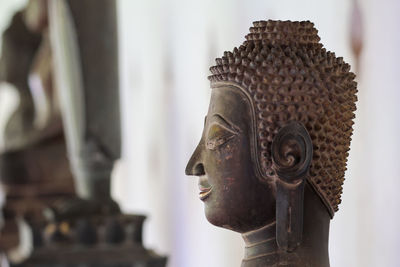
{"type": "Point", "coordinates": [280, 117]}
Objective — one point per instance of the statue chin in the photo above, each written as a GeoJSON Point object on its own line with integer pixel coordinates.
{"type": "Point", "coordinates": [226, 221]}
{"type": "Point", "coordinates": [236, 224]}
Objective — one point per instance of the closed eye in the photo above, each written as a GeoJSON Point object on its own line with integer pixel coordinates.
{"type": "Point", "coordinates": [214, 143]}
{"type": "Point", "coordinates": [217, 136]}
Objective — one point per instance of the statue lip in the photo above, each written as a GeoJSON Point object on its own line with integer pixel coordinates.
{"type": "Point", "coordinates": [204, 187]}
{"type": "Point", "coordinates": [204, 194]}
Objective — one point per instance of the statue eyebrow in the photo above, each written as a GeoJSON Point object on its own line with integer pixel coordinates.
{"type": "Point", "coordinates": [227, 125]}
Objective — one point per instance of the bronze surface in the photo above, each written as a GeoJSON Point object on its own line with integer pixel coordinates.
{"type": "Point", "coordinates": [273, 152]}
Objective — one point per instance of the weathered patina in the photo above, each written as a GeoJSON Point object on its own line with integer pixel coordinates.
{"type": "Point", "coordinates": [273, 152]}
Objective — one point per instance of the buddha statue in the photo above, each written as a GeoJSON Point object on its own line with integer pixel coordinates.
{"type": "Point", "coordinates": [272, 156]}
{"type": "Point", "coordinates": [59, 208]}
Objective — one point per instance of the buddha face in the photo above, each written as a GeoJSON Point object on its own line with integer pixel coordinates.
{"type": "Point", "coordinates": [234, 197]}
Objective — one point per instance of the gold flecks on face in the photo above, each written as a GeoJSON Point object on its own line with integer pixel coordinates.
{"type": "Point", "coordinates": [291, 77]}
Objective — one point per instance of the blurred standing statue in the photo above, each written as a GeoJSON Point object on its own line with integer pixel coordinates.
{"type": "Point", "coordinates": [273, 153]}
{"type": "Point", "coordinates": [83, 35]}
{"type": "Point", "coordinates": [82, 54]}
{"type": "Point", "coordinates": [84, 42]}
{"type": "Point", "coordinates": [80, 48]}
{"type": "Point", "coordinates": [34, 170]}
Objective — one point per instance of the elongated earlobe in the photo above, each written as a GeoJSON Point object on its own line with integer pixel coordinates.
{"type": "Point", "coordinates": [291, 158]}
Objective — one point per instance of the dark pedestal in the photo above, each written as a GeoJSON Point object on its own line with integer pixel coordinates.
{"type": "Point", "coordinates": [102, 241]}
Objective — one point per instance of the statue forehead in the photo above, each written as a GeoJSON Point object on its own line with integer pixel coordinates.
{"type": "Point", "coordinates": [229, 100]}
{"type": "Point", "coordinates": [231, 104]}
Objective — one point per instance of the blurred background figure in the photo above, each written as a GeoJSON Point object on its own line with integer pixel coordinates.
{"type": "Point", "coordinates": [34, 170]}
{"type": "Point", "coordinates": [76, 42]}
{"type": "Point", "coordinates": [166, 48]}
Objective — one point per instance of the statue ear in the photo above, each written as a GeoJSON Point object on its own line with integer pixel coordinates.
{"type": "Point", "coordinates": [291, 159]}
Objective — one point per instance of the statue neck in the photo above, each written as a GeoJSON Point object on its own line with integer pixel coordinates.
{"type": "Point", "coordinates": [262, 250]}
{"type": "Point", "coordinates": [261, 247]}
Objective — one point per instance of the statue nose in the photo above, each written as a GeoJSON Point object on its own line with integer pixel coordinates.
{"type": "Point", "coordinates": [196, 170]}
{"type": "Point", "coordinates": [195, 167]}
